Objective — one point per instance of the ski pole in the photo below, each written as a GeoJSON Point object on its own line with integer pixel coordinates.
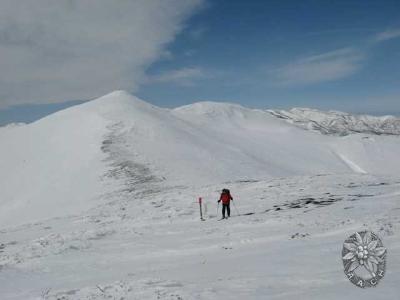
{"type": "Point", "coordinates": [217, 208]}
{"type": "Point", "coordinates": [236, 208]}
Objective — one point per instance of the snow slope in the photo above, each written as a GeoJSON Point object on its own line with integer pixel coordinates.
{"type": "Point", "coordinates": [339, 123]}
{"type": "Point", "coordinates": [153, 245]}
{"type": "Point", "coordinates": [53, 166]}
{"type": "Point", "coordinates": [98, 201]}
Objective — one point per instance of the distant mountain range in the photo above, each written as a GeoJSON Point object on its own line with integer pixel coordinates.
{"type": "Point", "coordinates": [339, 123]}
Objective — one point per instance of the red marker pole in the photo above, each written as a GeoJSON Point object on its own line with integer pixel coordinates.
{"type": "Point", "coordinates": [201, 211]}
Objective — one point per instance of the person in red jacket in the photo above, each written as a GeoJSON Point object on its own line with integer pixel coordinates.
{"type": "Point", "coordinates": [226, 199]}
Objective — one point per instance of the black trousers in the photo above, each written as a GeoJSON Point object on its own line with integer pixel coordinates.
{"type": "Point", "coordinates": [227, 208]}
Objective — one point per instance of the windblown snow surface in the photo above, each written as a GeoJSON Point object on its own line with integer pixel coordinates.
{"type": "Point", "coordinates": [99, 201]}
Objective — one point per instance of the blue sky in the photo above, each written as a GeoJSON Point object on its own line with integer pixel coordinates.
{"type": "Point", "coordinates": [324, 54]}
{"type": "Point", "coordinates": [342, 55]}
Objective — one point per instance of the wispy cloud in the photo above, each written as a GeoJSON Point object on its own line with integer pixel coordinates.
{"type": "Point", "coordinates": [183, 76]}
{"type": "Point", "coordinates": [78, 49]}
{"type": "Point", "coordinates": [387, 35]}
{"type": "Point", "coordinates": [198, 32]}
{"type": "Point", "coordinates": [319, 68]}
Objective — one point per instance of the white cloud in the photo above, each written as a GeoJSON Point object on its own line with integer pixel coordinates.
{"type": "Point", "coordinates": [184, 76]}
{"type": "Point", "coordinates": [387, 35]}
{"type": "Point", "coordinates": [52, 51]}
{"type": "Point", "coordinates": [319, 68]}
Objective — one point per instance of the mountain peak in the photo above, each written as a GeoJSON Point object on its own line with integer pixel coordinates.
{"type": "Point", "coordinates": [213, 109]}
{"type": "Point", "coordinates": [120, 96]}
{"type": "Point", "coordinates": [117, 93]}
{"type": "Point", "coordinates": [118, 104]}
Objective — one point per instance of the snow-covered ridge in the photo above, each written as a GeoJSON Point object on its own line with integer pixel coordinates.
{"type": "Point", "coordinates": [99, 201]}
{"type": "Point", "coordinates": [13, 125]}
{"type": "Point", "coordinates": [67, 161]}
{"type": "Point", "coordinates": [339, 123]}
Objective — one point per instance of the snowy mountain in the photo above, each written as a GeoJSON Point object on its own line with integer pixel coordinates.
{"type": "Point", "coordinates": [339, 123]}
{"type": "Point", "coordinates": [99, 201]}
{"type": "Point", "coordinates": [120, 136]}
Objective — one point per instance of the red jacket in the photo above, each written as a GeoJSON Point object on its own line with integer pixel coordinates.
{"type": "Point", "coordinates": [225, 198]}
